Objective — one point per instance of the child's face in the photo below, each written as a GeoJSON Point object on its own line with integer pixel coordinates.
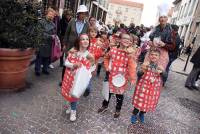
{"type": "Point", "coordinates": [154, 56]}
{"type": "Point", "coordinates": [92, 34]}
{"type": "Point", "coordinates": [135, 40]}
{"type": "Point", "coordinates": [84, 41]}
{"type": "Point", "coordinates": [125, 40]}
{"type": "Point", "coordinates": [104, 36]}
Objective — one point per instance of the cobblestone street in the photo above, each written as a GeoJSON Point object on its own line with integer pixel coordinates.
{"type": "Point", "coordinates": [40, 108]}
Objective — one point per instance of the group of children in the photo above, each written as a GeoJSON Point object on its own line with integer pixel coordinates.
{"type": "Point", "coordinates": [119, 57]}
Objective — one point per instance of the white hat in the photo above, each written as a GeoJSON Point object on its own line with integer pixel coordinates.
{"type": "Point", "coordinates": [163, 9]}
{"type": "Point", "coordinates": [82, 9]}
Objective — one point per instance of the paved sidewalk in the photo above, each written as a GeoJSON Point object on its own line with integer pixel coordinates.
{"type": "Point", "coordinates": [40, 109]}
{"type": "Point", "coordinates": [179, 64]}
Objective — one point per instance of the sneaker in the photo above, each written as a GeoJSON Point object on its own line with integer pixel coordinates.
{"type": "Point", "coordinates": [51, 66]}
{"type": "Point", "coordinates": [195, 87]}
{"type": "Point", "coordinates": [68, 111]}
{"type": "Point", "coordinates": [189, 87]}
{"type": "Point", "coordinates": [117, 114]}
{"type": "Point", "coordinates": [133, 119]}
{"type": "Point", "coordinates": [141, 116]}
{"type": "Point", "coordinates": [73, 115]}
{"type": "Point", "coordinates": [102, 109]}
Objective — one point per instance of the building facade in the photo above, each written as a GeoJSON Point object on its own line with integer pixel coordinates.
{"type": "Point", "coordinates": [195, 28]}
{"type": "Point", "coordinates": [122, 11]}
{"type": "Point", "coordinates": [97, 8]}
{"type": "Point", "coordinates": [183, 17]}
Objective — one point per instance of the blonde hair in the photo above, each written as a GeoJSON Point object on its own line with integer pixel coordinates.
{"type": "Point", "coordinates": [50, 10]}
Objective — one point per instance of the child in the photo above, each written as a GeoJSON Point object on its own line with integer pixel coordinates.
{"type": "Point", "coordinates": [76, 58]}
{"type": "Point", "coordinates": [148, 87]}
{"type": "Point", "coordinates": [119, 63]}
{"type": "Point", "coordinates": [104, 44]}
{"type": "Point", "coordinates": [96, 50]}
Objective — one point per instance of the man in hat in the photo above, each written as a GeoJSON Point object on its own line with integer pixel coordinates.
{"type": "Point", "coordinates": [76, 26]}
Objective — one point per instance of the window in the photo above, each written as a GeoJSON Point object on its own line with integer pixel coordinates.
{"type": "Point", "coordinates": [192, 7]}
{"type": "Point", "coordinates": [182, 13]}
{"type": "Point", "coordinates": [125, 18]}
{"type": "Point", "coordinates": [111, 7]}
{"type": "Point", "coordinates": [132, 20]}
{"type": "Point", "coordinates": [179, 13]}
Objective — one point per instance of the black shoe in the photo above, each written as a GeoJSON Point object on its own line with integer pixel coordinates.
{"type": "Point", "coordinates": [37, 73]}
{"type": "Point", "coordinates": [87, 93]}
{"type": "Point", "coordinates": [189, 87]}
{"type": "Point", "coordinates": [102, 109]}
{"type": "Point", "coordinates": [60, 84]}
{"type": "Point", "coordinates": [195, 87]}
{"type": "Point", "coordinates": [45, 72]}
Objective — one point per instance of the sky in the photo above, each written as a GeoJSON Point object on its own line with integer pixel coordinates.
{"type": "Point", "coordinates": [150, 10]}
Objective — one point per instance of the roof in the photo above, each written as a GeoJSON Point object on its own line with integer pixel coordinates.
{"type": "Point", "coordinates": [127, 3]}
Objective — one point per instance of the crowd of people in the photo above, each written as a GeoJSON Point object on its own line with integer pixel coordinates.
{"type": "Point", "coordinates": [134, 55]}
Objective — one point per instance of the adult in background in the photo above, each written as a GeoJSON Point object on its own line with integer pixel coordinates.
{"type": "Point", "coordinates": [92, 22]}
{"type": "Point", "coordinates": [44, 54]}
{"type": "Point", "coordinates": [173, 54]}
{"type": "Point", "coordinates": [56, 21]}
{"type": "Point", "coordinates": [75, 27]}
{"type": "Point", "coordinates": [191, 79]}
{"type": "Point", "coordinates": [66, 17]}
{"type": "Point", "coordinates": [163, 39]}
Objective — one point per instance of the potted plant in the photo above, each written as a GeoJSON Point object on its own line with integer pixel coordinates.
{"type": "Point", "coordinates": [20, 34]}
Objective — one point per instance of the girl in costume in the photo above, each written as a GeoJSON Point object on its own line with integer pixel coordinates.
{"type": "Point", "coordinates": [148, 87]}
{"type": "Point", "coordinates": [96, 50]}
{"type": "Point", "coordinates": [104, 45]}
{"type": "Point", "coordinates": [77, 57]}
{"type": "Point", "coordinates": [120, 65]}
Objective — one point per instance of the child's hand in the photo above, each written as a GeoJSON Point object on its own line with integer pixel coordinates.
{"type": "Point", "coordinates": [144, 66]}
{"type": "Point", "coordinates": [161, 44]}
{"type": "Point", "coordinates": [76, 65]}
{"type": "Point", "coordinates": [160, 69]}
{"type": "Point", "coordinates": [132, 84]}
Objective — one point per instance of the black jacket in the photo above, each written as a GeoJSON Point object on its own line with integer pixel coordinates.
{"type": "Point", "coordinates": [196, 58]}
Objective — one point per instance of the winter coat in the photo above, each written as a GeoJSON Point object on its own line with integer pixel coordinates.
{"type": "Point", "coordinates": [71, 34]}
{"type": "Point", "coordinates": [48, 29]}
{"type": "Point", "coordinates": [195, 58]}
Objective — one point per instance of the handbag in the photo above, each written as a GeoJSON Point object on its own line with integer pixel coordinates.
{"type": "Point", "coordinates": [81, 80]}
{"type": "Point", "coordinates": [105, 90]}
{"type": "Point", "coordinates": [56, 49]}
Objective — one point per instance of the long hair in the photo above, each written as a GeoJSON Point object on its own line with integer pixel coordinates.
{"type": "Point", "coordinates": [77, 42]}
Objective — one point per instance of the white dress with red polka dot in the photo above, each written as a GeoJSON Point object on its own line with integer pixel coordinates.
{"type": "Point", "coordinates": [147, 91]}
{"type": "Point", "coordinates": [70, 73]}
{"type": "Point", "coordinates": [118, 65]}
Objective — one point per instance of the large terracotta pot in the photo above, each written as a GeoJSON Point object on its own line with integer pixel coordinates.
{"type": "Point", "coordinates": [14, 64]}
